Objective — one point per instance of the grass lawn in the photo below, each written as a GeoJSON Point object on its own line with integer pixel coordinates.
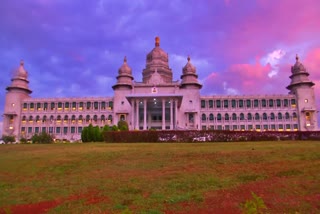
{"type": "Point", "coordinates": [160, 177]}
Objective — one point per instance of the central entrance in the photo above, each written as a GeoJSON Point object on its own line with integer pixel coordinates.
{"type": "Point", "coordinates": [154, 112]}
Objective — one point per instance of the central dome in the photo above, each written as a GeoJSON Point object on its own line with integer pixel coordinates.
{"type": "Point", "coordinates": [157, 60]}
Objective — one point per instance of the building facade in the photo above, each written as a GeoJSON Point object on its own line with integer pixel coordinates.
{"type": "Point", "coordinates": [160, 103]}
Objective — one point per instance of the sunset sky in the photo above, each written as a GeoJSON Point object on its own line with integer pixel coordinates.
{"type": "Point", "coordinates": [75, 48]}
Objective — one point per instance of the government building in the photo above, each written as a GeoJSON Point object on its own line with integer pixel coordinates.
{"type": "Point", "coordinates": [158, 102]}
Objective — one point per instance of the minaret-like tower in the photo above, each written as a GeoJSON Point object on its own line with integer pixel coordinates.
{"type": "Point", "coordinates": [122, 88]}
{"type": "Point", "coordinates": [189, 76]}
{"type": "Point", "coordinates": [16, 93]}
{"type": "Point", "coordinates": [302, 87]}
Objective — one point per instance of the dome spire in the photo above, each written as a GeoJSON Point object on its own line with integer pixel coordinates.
{"type": "Point", "coordinates": [188, 58]}
{"type": "Point", "coordinates": [297, 58]}
{"type": "Point", "coordinates": [157, 41]}
{"type": "Point", "coordinates": [21, 62]}
{"type": "Point", "coordinates": [125, 59]}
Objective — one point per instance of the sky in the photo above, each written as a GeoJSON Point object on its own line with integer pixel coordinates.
{"type": "Point", "coordinates": [75, 48]}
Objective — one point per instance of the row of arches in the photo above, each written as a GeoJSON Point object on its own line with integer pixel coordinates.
{"type": "Point", "coordinates": [249, 116]}
{"type": "Point", "coordinates": [66, 118]}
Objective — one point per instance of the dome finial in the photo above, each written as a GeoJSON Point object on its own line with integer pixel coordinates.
{"type": "Point", "coordinates": [297, 57]}
{"type": "Point", "coordinates": [21, 62]}
{"type": "Point", "coordinates": [188, 58]}
{"type": "Point", "coordinates": [125, 59]}
{"type": "Point", "coordinates": [157, 41]}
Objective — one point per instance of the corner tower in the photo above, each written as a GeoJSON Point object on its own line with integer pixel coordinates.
{"type": "Point", "coordinates": [16, 93]}
{"type": "Point", "coordinates": [157, 62]}
{"type": "Point", "coordinates": [302, 87]}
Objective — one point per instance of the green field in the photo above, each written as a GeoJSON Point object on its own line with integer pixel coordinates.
{"type": "Point", "coordinates": [160, 177]}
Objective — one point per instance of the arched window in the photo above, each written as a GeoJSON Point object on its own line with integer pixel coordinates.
{"type": "Point", "coordinates": [287, 116]}
{"type": "Point", "coordinates": [219, 117]}
{"type": "Point", "coordinates": [294, 115]}
{"type": "Point", "coordinates": [210, 117]}
{"type": "Point", "coordinates": [95, 118]}
{"type": "Point", "coordinates": [103, 118]}
{"type": "Point", "coordinates": [279, 116]}
{"type": "Point", "coordinates": [58, 118]}
{"type": "Point", "coordinates": [110, 117]}
{"type": "Point", "coordinates": [73, 118]}
{"type": "Point", "coordinates": [87, 118]}
{"type": "Point", "coordinates": [30, 118]}
{"type": "Point", "coordinates": [203, 117]}
{"type": "Point", "coordinates": [65, 119]}
{"type": "Point", "coordinates": [24, 118]}
{"type": "Point", "coordinates": [66, 105]}
{"type": "Point", "coordinates": [249, 116]}
{"type": "Point", "coordinates": [272, 116]}
{"type": "Point", "coordinates": [44, 119]}
{"type": "Point", "coordinates": [37, 118]}
{"type": "Point", "coordinates": [45, 106]}
{"type": "Point", "coordinates": [59, 105]}
{"type": "Point", "coordinates": [51, 118]}
{"type": "Point", "coordinates": [226, 116]}
{"type": "Point", "coordinates": [257, 116]}
{"type": "Point", "coordinates": [234, 116]}
{"type": "Point", "coordinates": [264, 116]}
{"type": "Point", "coordinates": [52, 105]}
{"type": "Point", "coordinates": [88, 105]}
{"type": "Point", "coordinates": [80, 118]}
{"type": "Point", "coordinates": [241, 116]}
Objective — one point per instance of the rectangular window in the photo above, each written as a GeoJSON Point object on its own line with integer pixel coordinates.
{"type": "Point", "coordinates": [25, 106]}
{"type": "Point", "coordinates": [218, 102]}
{"type": "Point", "coordinates": [43, 129]}
{"type": "Point", "coordinates": [258, 127]}
{"type": "Point", "coordinates": [110, 105]}
{"type": "Point", "coordinates": [242, 127]}
{"type": "Point", "coordinates": [29, 130]}
{"type": "Point", "coordinates": [58, 130]}
{"type": "Point", "coordinates": [23, 129]}
{"type": "Point", "coordinates": [250, 127]}
{"type": "Point", "coordinates": [248, 103]}
{"type": "Point", "coordinates": [96, 105]}
{"type": "Point", "coordinates": [66, 106]}
{"type": "Point", "coordinates": [288, 128]}
{"type": "Point", "coordinates": [293, 103]}
{"type": "Point", "coordinates": [240, 103]}
{"type": "Point", "coordinates": [50, 130]}
{"type": "Point", "coordinates": [45, 106]}
{"type": "Point", "coordinates": [52, 106]}
{"type": "Point", "coordinates": [103, 105]}
{"type": "Point", "coordinates": [234, 127]}
{"type": "Point", "coordinates": [79, 130]}
{"type": "Point", "coordinates": [256, 103]}
{"type": "Point", "coordinates": [39, 106]}
{"type": "Point", "coordinates": [81, 106]}
{"type": "Point", "coordinates": [219, 127]}
{"type": "Point", "coordinates": [88, 105]}
{"type": "Point", "coordinates": [270, 103]}
{"type": "Point", "coordinates": [74, 105]}
{"type": "Point", "coordinates": [263, 103]}
{"type": "Point", "coordinates": [203, 103]}
{"type": "Point", "coordinates": [204, 128]}
{"type": "Point", "coordinates": [36, 129]}
{"type": "Point", "coordinates": [65, 130]}
{"type": "Point", "coordinates": [273, 127]}
{"type": "Point", "coordinates": [265, 127]}
{"type": "Point", "coordinates": [285, 102]}
{"type": "Point", "coordinates": [210, 103]}
{"type": "Point", "coordinates": [295, 127]}
{"type": "Point", "coordinates": [227, 127]}
{"type": "Point", "coordinates": [278, 102]}
{"type": "Point", "coordinates": [31, 106]}
{"type": "Point", "coordinates": [225, 104]}
{"type": "Point", "coordinates": [73, 129]}
{"type": "Point", "coordinates": [233, 103]}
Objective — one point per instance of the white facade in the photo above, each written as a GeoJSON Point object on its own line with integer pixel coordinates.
{"type": "Point", "coordinates": [158, 102]}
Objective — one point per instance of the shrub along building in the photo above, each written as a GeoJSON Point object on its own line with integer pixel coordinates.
{"type": "Point", "coordinates": [158, 102]}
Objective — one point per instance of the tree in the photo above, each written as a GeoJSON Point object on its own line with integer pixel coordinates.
{"type": "Point", "coordinates": [84, 135]}
{"type": "Point", "coordinates": [123, 125]}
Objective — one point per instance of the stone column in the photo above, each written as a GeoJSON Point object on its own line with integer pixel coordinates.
{"type": "Point", "coordinates": [171, 114]}
{"type": "Point", "coordinates": [132, 113]}
{"type": "Point", "coordinates": [175, 113]}
{"type": "Point", "coordinates": [145, 114]}
{"type": "Point", "coordinates": [163, 114]}
{"type": "Point", "coordinates": [137, 114]}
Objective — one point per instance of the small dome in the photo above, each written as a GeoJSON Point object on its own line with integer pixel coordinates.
{"type": "Point", "coordinates": [125, 69]}
{"type": "Point", "coordinates": [298, 66]}
{"type": "Point", "coordinates": [21, 72]}
{"type": "Point", "coordinates": [189, 68]}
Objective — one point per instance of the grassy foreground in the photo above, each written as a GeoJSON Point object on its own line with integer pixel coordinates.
{"type": "Point", "coordinates": [160, 178]}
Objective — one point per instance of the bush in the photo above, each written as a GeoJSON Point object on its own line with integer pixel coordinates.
{"type": "Point", "coordinates": [123, 125]}
{"type": "Point", "coordinates": [8, 139]}
{"type": "Point", "coordinates": [42, 138]}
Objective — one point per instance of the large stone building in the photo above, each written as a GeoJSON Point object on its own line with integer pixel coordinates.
{"type": "Point", "coordinates": [159, 102]}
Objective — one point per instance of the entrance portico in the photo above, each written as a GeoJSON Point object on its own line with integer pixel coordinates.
{"type": "Point", "coordinates": [154, 111]}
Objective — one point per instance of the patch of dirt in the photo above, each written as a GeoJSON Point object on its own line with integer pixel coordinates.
{"type": "Point", "coordinates": [90, 197]}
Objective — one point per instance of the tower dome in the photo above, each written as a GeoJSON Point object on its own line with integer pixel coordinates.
{"type": "Point", "coordinates": [20, 72]}
{"type": "Point", "coordinates": [189, 76]}
{"type": "Point", "coordinates": [189, 68]}
{"type": "Point", "coordinates": [157, 60]}
{"type": "Point", "coordinates": [298, 66]}
{"type": "Point", "coordinates": [124, 78]}
{"type": "Point", "coordinates": [125, 68]}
